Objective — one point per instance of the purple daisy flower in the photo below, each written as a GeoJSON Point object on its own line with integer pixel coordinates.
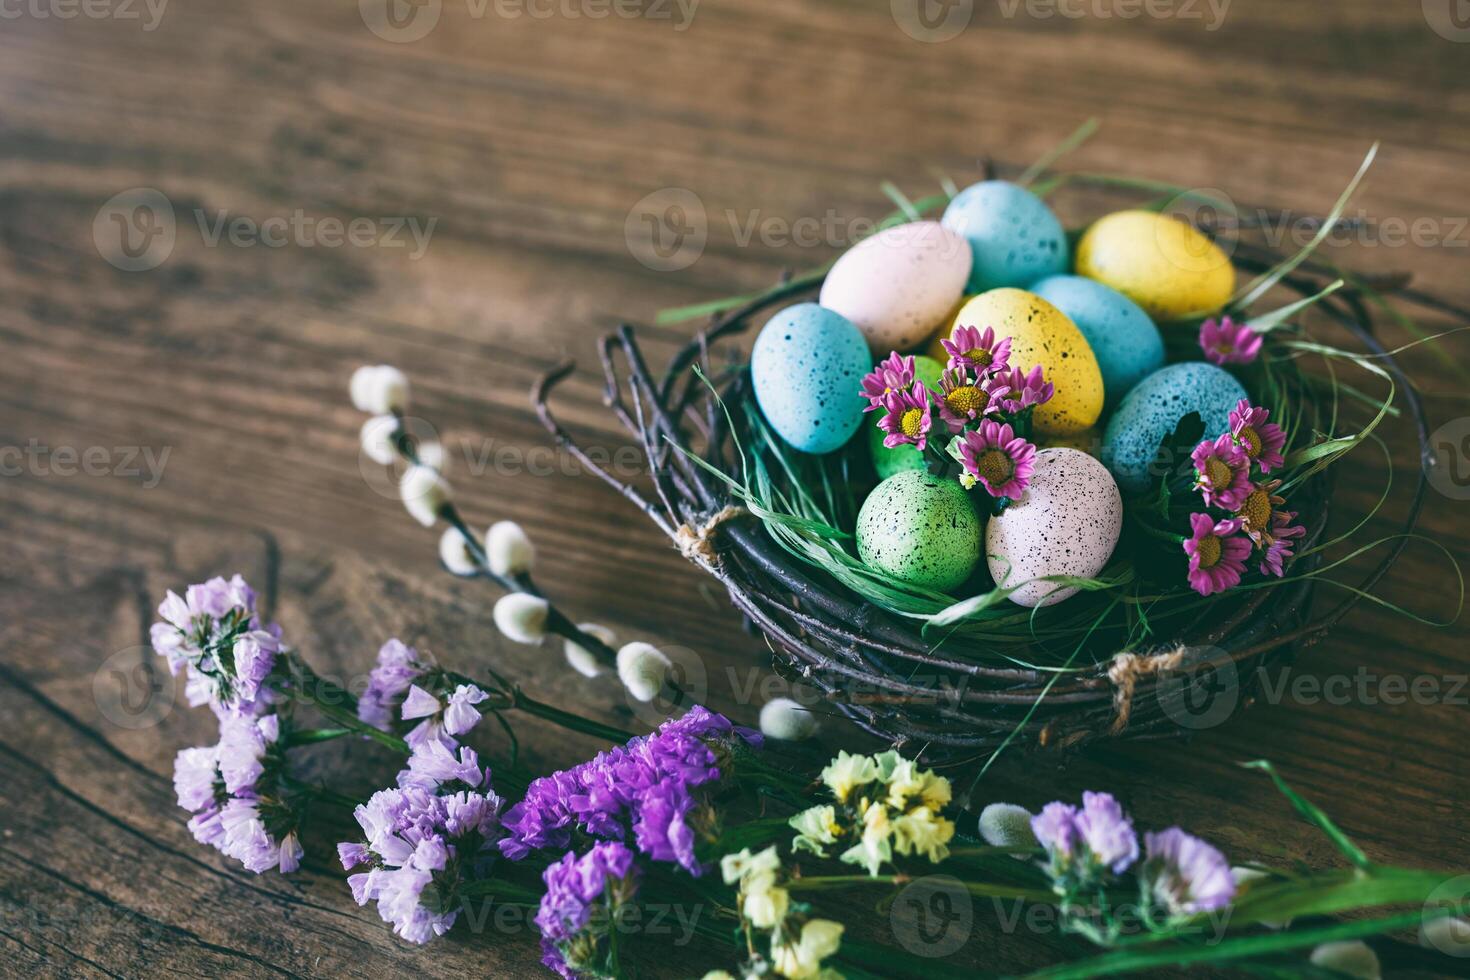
{"type": "Point", "coordinates": [973, 349]}
{"type": "Point", "coordinates": [1227, 342]}
{"type": "Point", "coordinates": [1024, 389]}
{"type": "Point", "coordinates": [1262, 441]}
{"type": "Point", "coordinates": [1222, 473]}
{"type": "Point", "coordinates": [962, 399]}
{"type": "Point", "coordinates": [907, 418]}
{"type": "Point", "coordinates": [893, 373]}
{"type": "Point", "coordinates": [1217, 554]}
{"type": "Point", "coordinates": [1186, 875]}
{"type": "Point", "coordinates": [998, 458]}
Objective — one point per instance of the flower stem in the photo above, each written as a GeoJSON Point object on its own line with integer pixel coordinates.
{"type": "Point", "coordinates": [337, 704]}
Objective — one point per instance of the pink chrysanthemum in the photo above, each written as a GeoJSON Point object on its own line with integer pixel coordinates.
{"type": "Point", "coordinates": [1217, 554]}
{"type": "Point", "coordinates": [962, 399]}
{"type": "Point", "coordinates": [995, 456]}
{"type": "Point", "coordinates": [1279, 547]}
{"type": "Point", "coordinates": [893, 373]}
{"type": "Point", "coordinates": [906, 416]}
{"type": "Point", "coordinates": [1227, 342]}
{"type": "Point", "coordinates": [1261, 440]}
{"type": "Point", "coordinates": [1222, 473]}
{"type": "Point", "coordinates": [1025, 389]}
{"type": "Point", "coordinates": [977, 350]}
{"type": "Point", "coordinates": [1258, 511]}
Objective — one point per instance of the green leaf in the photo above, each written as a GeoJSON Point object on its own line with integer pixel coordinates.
{"type": "Point", "coordinates": [1314, 815]}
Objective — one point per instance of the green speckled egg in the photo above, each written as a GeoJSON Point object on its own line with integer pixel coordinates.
{"type": "Point", "coordinates": [890, 461]}
{"type": "Point", "coordinates": [920, 529]}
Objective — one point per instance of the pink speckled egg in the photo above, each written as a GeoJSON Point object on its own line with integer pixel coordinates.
{"type": "Point", "coordinates": [1066, 523]}
{"type": "Point", "coordinates": [900, 285]}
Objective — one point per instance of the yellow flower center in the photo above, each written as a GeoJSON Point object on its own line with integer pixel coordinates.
{"type": "Point", "coordinates": [1252, 441]}
{"type": "Point", "coordinates": [1208, 551]}
{"type": "Point", "coordinates": [979, 356]}
{"type": "Point", "coordinates": [966, 399]}
{"type": "Point", "coordinates": [1257, 510]}
{"type": "Point", "coordinates": [912, 422]}
{"type": "Point", "coordinates": [995, 467]}
{"type": "Point", "coordinates": [1217, 472]}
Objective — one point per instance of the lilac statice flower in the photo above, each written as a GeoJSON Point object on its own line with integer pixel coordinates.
{"type": "Point", "coordinates": [1107, 832]}
{"type": "Point", "coordinates": [421, 844]}
{"type": "Point", "coordinates": [1186, 875]}
{"type": "Point", "coordinates": [214, 636]}
{"type": "Point", "coordinates": [399, 667]}
{"type": "Point", "coordinates": [1083, 843]}
{"type": "Point", "coordinates": [444, 717]}
{"type": "Point", "coordinates": [434, 764]}
{"type": "Point", "coordinates": [581, 901]}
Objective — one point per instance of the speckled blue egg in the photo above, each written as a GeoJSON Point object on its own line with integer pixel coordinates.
{"type": "Point", "coordinates": [1125, 341]}
{"type": "Point", "coordinates": [1154, 407]}
{"type": "Point", "coordinates": [807, 367]}
{"type": "Point", "coordinates": [1014, 237]}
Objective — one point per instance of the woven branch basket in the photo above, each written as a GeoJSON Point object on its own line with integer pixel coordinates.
{"type": "Point", "coordinates": [877, 668]}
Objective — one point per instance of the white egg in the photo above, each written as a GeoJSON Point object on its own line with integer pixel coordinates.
{"type": "Point", "coordinates": [900, 285]}
{"type": "Point", "coordinates": [1066, 523]}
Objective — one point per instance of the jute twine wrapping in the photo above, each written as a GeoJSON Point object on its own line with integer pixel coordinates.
{"type": "Point", "coordinates": [1128, 669]}
{"type": "Point", "coordinates": [699, 546]}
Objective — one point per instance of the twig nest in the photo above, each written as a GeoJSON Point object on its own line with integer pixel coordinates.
{"type": "Point", "coordinates": [424, 493]}
{"type": "Point", "coordinates": [522, 617]}
{"type": "Point", "coordinates": [379, 389]}
{"type": "Point", "coordinates": [582, 660]}
{"type": "Point", "coordinates": [1353, 958]}
{"type": "Point", "coordinates": [1007, 825]}
{"type": "Point", "coordinates": [509, 549]}
{"type": "Point", "coordinates": [377, 439]}
{"type": "Point", "coordinates": [787, 720]}
{"type": "Point", "coordinates": [643, 668]}
{"type": "Point", "coordinates": [454, 552]}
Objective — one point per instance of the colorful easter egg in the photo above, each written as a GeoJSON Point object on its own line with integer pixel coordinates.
{"type": "Point", "coordinates": [1124, 340]}
{"type": "Point", "coordinates": [1164, 265]}
{"type": "Point", "coordinates": [1014, 237]}
{"type": "Point", "coordinates": [1066, 523]}
{"type": "Point", "coordinates": [1154, 407]}
{"type": "Point", "coordinates": [920, 529]}
{"type": "Point", "coordinates": [888, 461]}
{"type": "Point", "coordinates": [807, 366]}
{"type": "Point", "coordinates": [899, 285]}
{"type": "Point", "coordinates": [1041, 334]}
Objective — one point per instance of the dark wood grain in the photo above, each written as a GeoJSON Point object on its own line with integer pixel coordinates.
{"type": "Point", "coordinates": [528, 141]}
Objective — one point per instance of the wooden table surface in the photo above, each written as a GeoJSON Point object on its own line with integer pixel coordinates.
{"type": "Point", "coordinates": [529, 141]}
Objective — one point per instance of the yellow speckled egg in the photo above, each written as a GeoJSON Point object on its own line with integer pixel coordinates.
{"type": "Point", "coordinates": [1164, 265]}
{"type": "Point", "coordinates": [1041, 334]}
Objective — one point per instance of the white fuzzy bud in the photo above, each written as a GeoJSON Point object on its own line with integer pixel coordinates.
{"type": "Point", "coordinates": [379, 389]}
{"type": "Point", "coordinates": [423, 491]}
{"type": "Point", "coordinates": [1007, 825]}
{"type": "Point", "coordinates": [454, 552]}
{"type": "Point", "coordinates": [785, 719]}
{"type": "Point", "coordinates": [377, 439]}
{"type": "Point", "coordinates": [522, 617]}
{"type": "Point", "coordinates": [1352, 958]}
{"type": "Point", "coordinates": [1243, 876]}
{"type": "Point", "coordinates": [642, 667]}
{"type": "Point", "coordinates": [582, 660]}
{"type": "Point", "coordinates": [509, 550]}
{"type": "Point", "coordinates": [430, 454]}
{"type": "Point", "coordinates": [1449, 935]}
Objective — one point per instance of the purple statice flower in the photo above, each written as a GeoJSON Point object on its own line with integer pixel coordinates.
{"type": "Point", "coordinates": [906, 419]}
{"type": "Point", "coordinates": [973, 349]}
{"type": "Point", "coordinates": [1000, 460]}
{"type": "Point", "coordinates": [1260, 440]}
{"type": "Point", "coordinates": [420, 838]}
{"type": "Point", "coordinates": [581, 901]}
{"type": "Point", "coordinates": [662, 826]}
{"type": "Point", "coordinates": [893, 373]}
{"type": "Point", "coordinates": [241, 752]}
{"type": "Point", "coordinates": [1055, 828]}
{"type": "Point", "coordinates": [962, 400]}
{"type": "Point", "coordinates": [1186, 875]}
{"type": "Point", "coordinates": [1227, 342]}
{"type": "Point", "coordinates": [248, 840]}
{"type": "Point", "coordinates": [442, 719]}
{"type": "Point", "coordinates": [1222, 472]}
{"type": "Point", "coordinates": [1083, 842]}
{"type": "Point", "coordinates": [1024, 389]}
{"type": "Point", "coordinates": [214, 636]}
{"type": "Point", "coordinates": [433, 764]}
{"type": "Point", "coordinates": [399, 666]}
{"type": "Point", "coordinates": [1217, 553]}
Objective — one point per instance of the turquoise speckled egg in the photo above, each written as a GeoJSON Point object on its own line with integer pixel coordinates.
{"type": "Point", "coordinates": [1154, 407]}
{"type": "Point", "coordinates": [1125, 341]}
{"type": "Point", "coordinates": [920, 529]}
{"type": "Point", "coordinates": [888, 461]}
{"type": "Point", "coordinates": [807, 366]}
{"type": "Point", "coordinates": [1014, 237]}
